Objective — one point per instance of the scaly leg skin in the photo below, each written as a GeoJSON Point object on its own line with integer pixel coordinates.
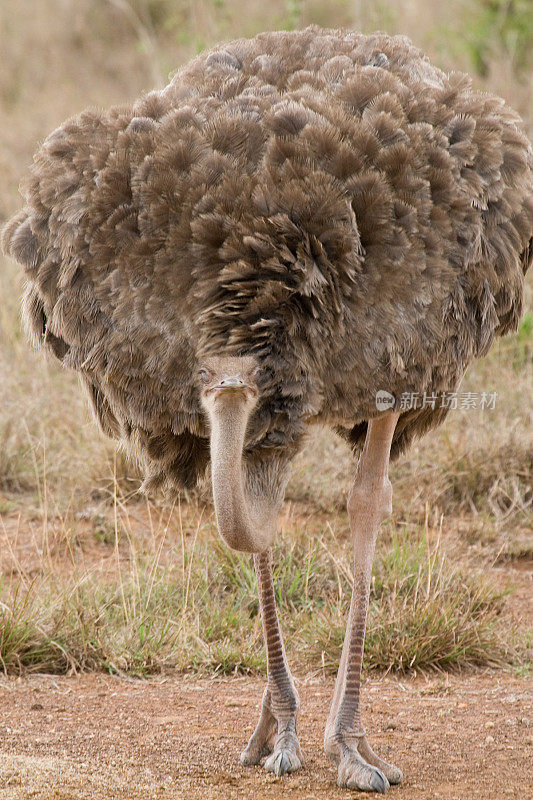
{"type": "Point", "coordinates": [275, 733]}
{"type": "Point", "coordinates": [369, 501]}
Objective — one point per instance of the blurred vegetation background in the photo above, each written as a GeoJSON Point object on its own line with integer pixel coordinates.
{"type": "Point", "coordinates": [59, 56]}
{"type": "Point", "coordinates": [94, 578]}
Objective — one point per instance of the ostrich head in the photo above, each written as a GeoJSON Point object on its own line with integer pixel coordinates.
{"type": "Point", "coordinates": [228, 380]}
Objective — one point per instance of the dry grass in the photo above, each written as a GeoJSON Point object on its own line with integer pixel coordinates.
{"type": "Point", "coordinates": [84, 587]}
{"type": "Point", "coordinates": [172, 596]}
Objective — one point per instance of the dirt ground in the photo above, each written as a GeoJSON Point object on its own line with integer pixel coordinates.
{"type": "Point", "coordinates": [92, 736]}
{"type": "Point", "coordinates": [98, 737]}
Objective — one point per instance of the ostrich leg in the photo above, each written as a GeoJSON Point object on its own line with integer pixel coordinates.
{"type": "Point", "coordinates": [275, 733]}
{"type": "Point", "coordinates": [368, 503]}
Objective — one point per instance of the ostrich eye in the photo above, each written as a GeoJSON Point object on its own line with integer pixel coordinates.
{"type": "Point", "coordinates": [204, 375]}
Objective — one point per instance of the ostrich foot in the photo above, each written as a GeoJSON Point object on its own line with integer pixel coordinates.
{"type": "Point", "coordinates": [360, 768]}
{"type": "Point", "coordinates": [276, 740]}
{"type": "Point", "coordinates": [286, 755]}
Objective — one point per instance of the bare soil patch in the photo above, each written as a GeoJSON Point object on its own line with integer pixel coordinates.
{"type": "Point", "coordinates": [92, 736]}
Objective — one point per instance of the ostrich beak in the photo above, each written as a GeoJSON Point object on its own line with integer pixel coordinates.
{"type": "Point", "coordinates": [232, 383]}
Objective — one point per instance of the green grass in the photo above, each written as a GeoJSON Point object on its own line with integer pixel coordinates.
{"type": "Point", "coordinates": [200, 613]}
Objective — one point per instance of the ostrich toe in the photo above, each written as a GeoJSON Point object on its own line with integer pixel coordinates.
{"type": "Point", "coordinates": [283, 750]}
{"type": "Point", "coordinates": [355, 773]}
{"type": "Point", "coordinates": [287, 756]}
{"type": "Point", "coordinates": [391, 772]}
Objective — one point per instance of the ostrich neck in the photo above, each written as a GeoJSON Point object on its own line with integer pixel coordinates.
{"type": "Point", "coordinates": [244, 521]}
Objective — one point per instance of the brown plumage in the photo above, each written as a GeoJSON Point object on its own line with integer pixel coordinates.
{"type": "Point", "coordinates": [326, 201]}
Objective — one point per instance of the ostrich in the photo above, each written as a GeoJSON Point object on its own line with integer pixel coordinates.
{"type": "Point", "coordinates": [295, 223]}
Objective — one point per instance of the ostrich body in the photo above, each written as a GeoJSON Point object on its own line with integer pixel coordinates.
{"type": "Point", "coordinates": [294, 223]}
